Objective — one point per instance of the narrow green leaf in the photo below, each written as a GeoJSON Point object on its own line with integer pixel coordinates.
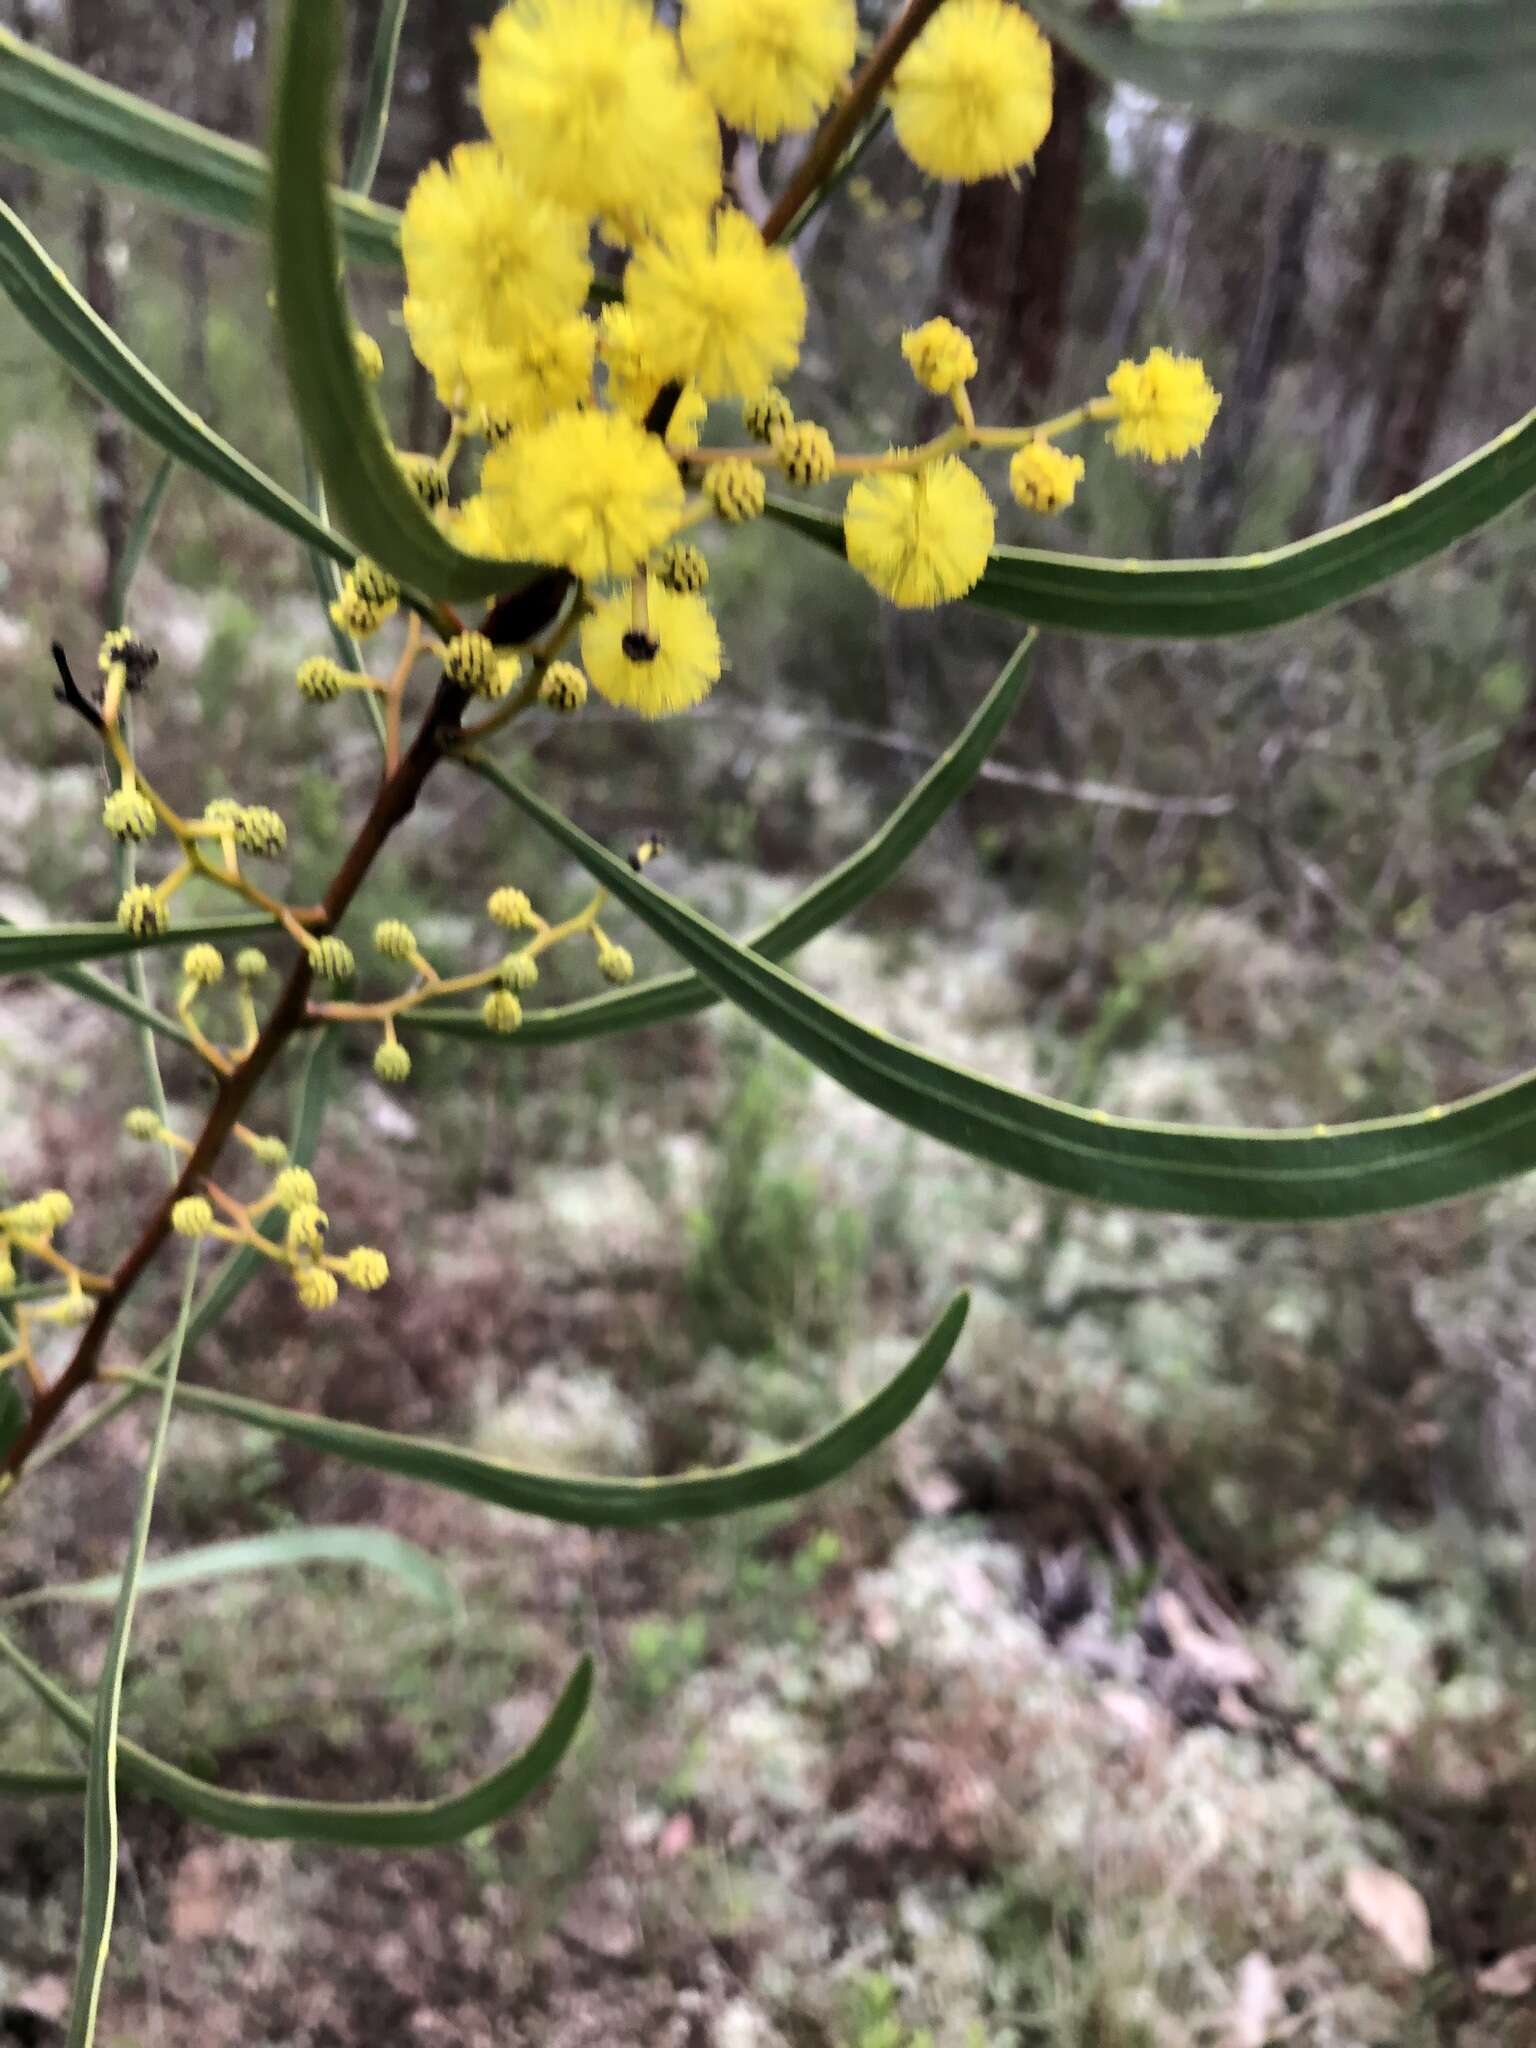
{"type": "Point", "coordinates": [95, 988]}
{"type": "Point", "coordinates": [99, 1889]}
{"type": "Point", "coordinates": [395, 1824]}
{"type": "Point", "coordinates": [1442, 78]}
{"type": "Point", "coordinates": [1209, 600]}
{"type": "Point", "coordinates": [601, 1503]}
{"type": "Point", "coordinates": [138, 538]}
{"type": "Point", "coordinates": [20, 1783]}
{"type": "Point", "coordinates": [278, 1550]}
{"type": "Point", "coordinates": [13, 1410]}
{"type": "Point", "coordinates": [835, 897]}
{"type": "Point", "coordinates": [45, 949]}
{"type": "Point", "coordinates": [1238, 1176]}
{"type": "Point", "coordinates": [337, 411]}
{"type": "Point", "coordinates": [369, 146]}
{"type": "Point", "coordinates": [56, 312]}
{"type": "Point", "coordinates": [51, 113]}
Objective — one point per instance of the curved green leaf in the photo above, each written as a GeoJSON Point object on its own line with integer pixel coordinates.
{"type": "Point", "coordinates": [338, 412]}
{"type": "Point", "coordinates": [97, 989]}
{"type": "Point", "coordinates": [1442, 78]}
{"type": "Point", "coordinates": [276, 1550]}
{"type": "Point", "coordinates": [1322, 1175]}
{"type": "Point", "coordinates": [99, 1885]}
{"type": "Point", "coordinates": [374, 119]}
{"type": "Point", "coordinates": [55, 311]}
{"type": "Point", "coordinates": [600, 1503]}
{"type": "Point", "coordinates": [44, 949]}
{"type": "Point", "coordinates": [833, 898]}
{"type": "Point", "coordinates": [393, 1824]}
{"type": "Point", "coordinates": [41, 1783]}
{"type": "Point", "coordinates": [52, 113]}
{"type": "Point", "coordinates": [1208, 600]}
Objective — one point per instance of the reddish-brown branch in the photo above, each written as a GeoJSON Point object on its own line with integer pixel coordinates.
{"type": "Point", "coordinates": [842, 124]}
{"type": "Point", "coordinates": [395, 800]}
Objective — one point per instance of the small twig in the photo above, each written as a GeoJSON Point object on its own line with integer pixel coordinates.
{"type": "Point", "coordinates": [69, 692]}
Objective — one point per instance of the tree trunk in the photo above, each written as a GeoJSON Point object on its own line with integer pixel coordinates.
{"type": "Point", "coordinates": [1435, 326]}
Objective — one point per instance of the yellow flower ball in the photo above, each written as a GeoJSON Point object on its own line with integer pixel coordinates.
{"type": "Point", "coordinates": [972, 97]}
{"type": "Point", "coordinates": [766, 413]}
{"type": "Point", "coordinates": [736, 489]}
{"type": "Point", "coordinates": [522, 383]}
{"type": "Point", "coordinates": [366, 1268]}
{"type": "Point", "coordinates": [563, 688]}
{"type": "Point", "coordinates": [501, 1010]}
{"type": "Point", "coordinates": [589, 490]}
{"type": "Point", "coordinates": [510, 908]}
{"type": "Point", "coordinates": [392, 1063]}
{"type": "Point", "coordinates": [616, 964]}
{"type": "Point", "coordinates": [128, 814]}
{"type": "Point", "coordinates": [680, 566]}
{"type": "Point", "coordinates": [717, 305]}
{"type": "Point", "coordinates": [141, 912]}
{"type": "Point", "coordinates": [588, 101]}
{"type": "Point", "coordinates": [192, 1216]}
{"type": "Point", "coordinates": [307, 1225]}
{"type": "Point", "coordinates": [471, 661]}
{"type": "Point", "coordinates": [670, 669]}
{"type": "Point", "coordinates": [633, 377]}
{"type": "Point", "coordinates": [920, 539]}
{"type": "Point", "coordinates": [393, 937]}
{"type": "Point", "coordinates": [1043, 477]}
{"type": "Point", "coordinates": [770, 65]}
{"type": "Point", "coordinates": [320, 680]}
{"type": "Point", "coordinates": [203, 965]}
{"type": "Point", "coordinates": [487, 259]}
{"type": "Point", "coordinates": [940, 355]}
{"type": "Point", "coordinates": [294, 1186]}
{"type": "Point", "coordinates": [1165, 406]}
{"type": "Point", "coordinates": [805, 453]}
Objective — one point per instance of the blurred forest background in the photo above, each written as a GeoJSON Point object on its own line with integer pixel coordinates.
{"type": "Point", "coordinates": [1200, 1594]}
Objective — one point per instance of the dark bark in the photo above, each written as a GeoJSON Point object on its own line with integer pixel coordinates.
{"type": "Point", "coordinates": [1435, 326]}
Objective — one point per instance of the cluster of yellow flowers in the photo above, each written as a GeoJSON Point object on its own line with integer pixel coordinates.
{"type": "Point", "coordinates": [27, 1230]}
{"type": "Point", "coordinates": [605, 124]}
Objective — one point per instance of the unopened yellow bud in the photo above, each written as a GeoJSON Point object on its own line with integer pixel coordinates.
{"type": "Point", "coordinates": [940, 354]}
{"type": "Point", "coordinates": [426, 477]}
{"type": "Point", "coordinates": [511, 908]}
{"type": "Point", "coordinates": [202, 965]}
{"type": "Point", "coordinates": [315, 1287]}
{"type": "Point", "coordinates": [260, 830]}
{"type": "Point", "coordinates": [392, 1063]}
{"type": "Point", "coordinates": [736, 489]}
{"type": "Point", "coordinates": [768, 414]}
{"type": "Point", "coordinates": [372, 583]}
{"type": "Point", "coordinates": [332, 959]}
{"type": "Point", "coordinates": [71, 1308]}
{"type": "Point", "coordinates": [320, 680]}
{"type": "Point", "coordinates": [393, 937]}
{"type": "Point", "coordinates": [294, 1186]}
{"type": "Point", "coordinates": [55, 1207]}
{"type": "Point", "coordinates": [615, 964]}
{"type": "Point", "coordinates": [141, 912]}
{"type": "Point", "coordinates": [470, 660]}
{"type": "Point", "coordinates": [192, 1216]}
{"type": "Point", "coordinates": [370, 357]}
{"type": "Point", "coordinates": [805, 453]}
{"type": "Point", "coordinates": [366, 1269]}
{"type": "Point", "coordinates": [224, 811]}
{"type": "Point", "coordinates": [501, 1010]}
{"type": "Point", "coordinates": [307, 1225]}
{"type": "Point", "coordinates": [680, 566]}
{"type": "Point", "coordinates": [250, 963]}
{"type": "Point", "coordinates": [142, 1124]}
{"type": "Point", "coordinates": [563, 687]}
{"type": "Point", "coordinates": [518, 971]}
{"type": "Point", "coordinates": [267, 1151]}
{"type": "Point", "coordinates": [128, 814]}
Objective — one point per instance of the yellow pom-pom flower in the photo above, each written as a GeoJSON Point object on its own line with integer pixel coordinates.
{"type": "Point", "coordinates": [128, 814]}
{"type": "Point", "coordinates": [1165, 406]}
{"type": "Point", "coordinates": [511, 909]}
{"type": "Point", "coordinates": [940, 354]}
{"type": "Point", "coordinates": [366, 1268]}
{"type": "Point", "coordinates": [805, 453]}
{"type": "Point", "coordinates": [633, 380]}
{"type": "Point", "coordinates": [141, 912]}
{"type": "Point", "coordinates": [192, 1216]}
{"type": "Point", "coordinates": [563, 688]}
{"type": "Point", "coordinates": [1043, 477]}
{"type": "Point", "coordinates": [736, 489]}
{"type": "Point", "coordinates": [972, 97]}
{"type": "Point", "coordinates": [716, 304]}
{"type": "Point", "coordinates": [315, 1287]}
{"type": "Point", "coordinates": [501, 1010]}
{"type": "Point", "coordinates": [202, 965]}
{"type": "Point", "coordinates": [770, 65]}
{"type": "Point", "coordinates": [517, 384]}
{"type": "Point", "coordinates": [589, 103]}
{"type": "Point", "coordinates": [487, 260]}
{"type": "Point", "coordinates": [668, 669]}
{"type": "Point", "coordinates": [589, 490]}
{"type": "Point", "coordinates": [920, 539]}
